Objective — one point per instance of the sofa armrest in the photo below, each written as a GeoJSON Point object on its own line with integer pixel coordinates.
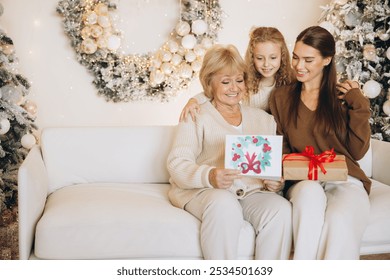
{"type": "Point", "coordinates": [381, 161]}
{"type": "Point", "coordinates": [32, 193]}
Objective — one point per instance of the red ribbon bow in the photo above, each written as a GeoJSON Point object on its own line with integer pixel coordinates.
{"type": "Point", "coordinates": [251, 165]}
{"type": "Point", "coordinates": [315, 161]}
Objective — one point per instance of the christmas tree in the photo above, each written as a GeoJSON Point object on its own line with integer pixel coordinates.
{"type": "Point", "coordinates": [16, 125]}
{"type": "Point", "coordinates": [362, 32]}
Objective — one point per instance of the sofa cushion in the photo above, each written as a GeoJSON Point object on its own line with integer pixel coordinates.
{"type": "Point", "coordinates": [120, 221]}
{"type": "Point", "coordinates": [376, 238]}
{"type": "Point", "coordinates": [366, 162]}
{"type": "Point", "coordinates": [77, 155]}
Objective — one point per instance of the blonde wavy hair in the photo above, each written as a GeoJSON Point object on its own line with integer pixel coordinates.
{"type": "Point", "coordinates": [221, 58]}
{"type": "Point", "coordinates": [284, 75]}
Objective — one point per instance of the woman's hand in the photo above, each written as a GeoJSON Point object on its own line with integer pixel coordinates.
{"type": "Point", "coordinates": [346, 86]}
{"type": "Point", "coordinates": [221, 178]}
{"type": "Point", "coordinates": [273, 186]}
{"type": "Point", "coordinates": [192, 107]}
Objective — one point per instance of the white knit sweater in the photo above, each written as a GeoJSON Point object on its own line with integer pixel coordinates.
{"type": "Point", "coordinates": [200, 146]}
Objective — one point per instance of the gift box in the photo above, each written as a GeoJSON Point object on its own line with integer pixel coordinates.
{"type": "Point", "coordinates": [258, 156]}
{"type": "Point", "coordinates": [326, 166]}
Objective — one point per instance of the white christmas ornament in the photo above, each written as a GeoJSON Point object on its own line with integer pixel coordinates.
{"type": "Point", "coordinates": [113, 42]}
{"type": "Point", "coordinates": [166, 56]}
{"type": "Point", "coordinates": [185, 71]}
{"type": "Point", "coordinates": [173, 46]}
{"type": "Point", "coordinates": [166, 68]}
{"type": "Point", "coordinates": [199, 27]}
{"type": "Point", "coordinates": [176, 59]}
{"type": "Point", "coordinates": [206, 43]}
{"type": "Point", "coordinates": [188, 41]}
{"type": "Point", "coordinates": [352, 18]}
{"type": "Point", "coordinates": [5, 125]}
{"type": "Point", "coordinates": [372, 88]}
{"type": "Point", "coordinates": [386, 107]}
{"type": "Point", "coordinates": [104, 21]}
{"type": "Point", "coordinates": [156, 77]}
{"type": "Point", "coordinates": [28, 141]}
{"type": "Point", "coordinates": [11, 94]}
{"type": "Point", "coordinates": [89, 46]}
{"type": "Point", "coordinates": [196, 65]}
{"type": "Point", "coordinates": [101, 9]}
{"type": "Point", "coordinates": [383, 35]}
{"type": "Point", "coordinates": [199, 50]}
{"type": "Point", "coordinates": [388, 53]}
{"type": "Point", "coordinates": [328, 26]}
{"type": "Point", "coordinates": [190, 56]}
{"type": "Point", "coordinates": [183, 28]}
{"type": "Point", "coordinates": [91, 18]}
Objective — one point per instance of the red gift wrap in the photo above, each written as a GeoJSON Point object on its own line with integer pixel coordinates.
{"type": "Point", "coordinates": [326, 166]}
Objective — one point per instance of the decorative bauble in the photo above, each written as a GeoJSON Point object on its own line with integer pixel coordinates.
{"type": "Point", "coordinates": [369, 52]}
{"type": "Point", "coordinates": [185, 71]}
{"type": "Point", "coordinates": [101, 42]}
{"type": "Point", "coordinates": [388, 53]}
{"type": "Point", "coordinates": [113, 42]}
{"type": "Point", "coordinates": [183, 28]}
{"type": "Point", "coordinates": [176, 59]}
{"type": "Point", "coordinates": [30, 107]}
{"type": "Point", "coordinates": [173, 46]}
{"type": "Point", "coordinates": [156, 77]}
{"type": "Point", "coordinates": [8, 49]}
{"type": "Point", "coordinates": [372, 88]}
{"type": "Point", "coordinates": [11, 94]}
{"type": "Point", "coordinates": [328, 26]}
{"type": "Point", "coordinates": [90, 18]}
{"type": "Point", "coordinates": [386, 107]}
{"type": "Point", "coordinates": [199, 50]}
{"type": "Point", "coordinates": [5, 125]}
{"type": "Point", "coordinates": [101, 9]}
{"type": "Point", "coordinates": [199, 27]}
{"type": "Point", "coordinates": [156, 62]}
{"type": "Point", "coordinates": [166, 68]}
{"type": "Point", "coordinates": [352, 18]}
{"type": "Point", "coordinates": [206, 43]}
{"type": "Point", "coordinates": [190, 56]}
{"type": "Point", "coordinates": [166, 56]}
{"type": "Point", "coordinates": [188, 41]}
{"type": "Point", "coordinates": [383, 35]}
{"type": "Point", "coordinates": [196, 65]}
{"type": "Point", "coordinates": [28, 141]}
{"type": "Point", "coordinates": [86, 32]}
{"type": "Point", "coordinates": [96, 31]}
{"type": "Point", "coordinates": [89, 46]}
{"type": "Point", "coordinates": [104, 21]}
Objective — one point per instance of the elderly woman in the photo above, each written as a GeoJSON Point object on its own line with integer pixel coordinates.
{"type": "Point", "coordinates": [200, 183]}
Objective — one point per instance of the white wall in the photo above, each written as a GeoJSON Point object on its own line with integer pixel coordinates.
{"type": "Point", "coordinates": [62, 88]}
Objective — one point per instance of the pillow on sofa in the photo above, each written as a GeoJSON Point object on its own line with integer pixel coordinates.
{"type": "Point", "coordinates": [366, 162]}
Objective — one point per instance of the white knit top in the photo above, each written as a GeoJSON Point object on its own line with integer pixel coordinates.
{"type": "Point", "coordinates": [200, 146]}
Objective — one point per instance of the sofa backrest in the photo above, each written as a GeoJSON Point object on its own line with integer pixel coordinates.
{"type": "Point", "coordinates": [135, 154]}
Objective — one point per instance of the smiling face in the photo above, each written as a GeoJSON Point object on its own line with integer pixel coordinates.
{"type": "Point", "coordinates": [228, 88]}
{"type": "Point", "coordinates": [308, 63]}
{"type": "Point", "coordinates": [267, 59]}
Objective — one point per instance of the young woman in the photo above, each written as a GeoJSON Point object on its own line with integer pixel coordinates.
{"type": "Point", "coordinates": [200, 183]}
{"type": "Point", "coordinates": [268, 61]}
{"type": "Point", "coordinates": [329, 218]}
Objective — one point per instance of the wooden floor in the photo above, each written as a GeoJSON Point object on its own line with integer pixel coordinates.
{"type": "Point", "coordinates": [376, 257]}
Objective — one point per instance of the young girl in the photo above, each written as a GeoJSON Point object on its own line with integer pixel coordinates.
{"type": "Point", "coordinates": [268, 60]}
{"type": "Point", "coordinates": [329, 218]}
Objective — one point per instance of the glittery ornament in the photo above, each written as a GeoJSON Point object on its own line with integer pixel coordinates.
{"type": "Point", "coordinates": [28, 141]}
{"type": "Point", "coordinates": [183, 28]}
{"type": "Point", "coordinates": [88, 46]}
{"type": "Point", "coordinates": [372, 88]}
{"type": "Point", "coordinates": [369, 52]}
{"type": "Point", "coordinates": [386, 107]}
{"type": "Point", "coordinates": [5, 125]}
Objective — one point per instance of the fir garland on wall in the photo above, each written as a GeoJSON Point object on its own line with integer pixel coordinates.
{"type": "Point", "coordinates": [137, 77]}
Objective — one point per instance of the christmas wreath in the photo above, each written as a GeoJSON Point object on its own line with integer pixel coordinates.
{"type": "Point", "coordinates": [149, 76]}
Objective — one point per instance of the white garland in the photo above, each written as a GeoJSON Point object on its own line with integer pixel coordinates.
{"type": "Point", "coordinates": [150, 76]}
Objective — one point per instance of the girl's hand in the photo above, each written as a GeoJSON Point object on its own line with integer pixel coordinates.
{"type": "Point", "coordinates": [192, 107]}
{"type": "Point", "coordinates": [221, 178]}
{"type": "Point", "coordinates": [346, 86]}
{"type": "Point", "coordinates": [274, 186]}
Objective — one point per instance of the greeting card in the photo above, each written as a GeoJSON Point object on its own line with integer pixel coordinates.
{"type": "Point", "coordinates": [255, 155]}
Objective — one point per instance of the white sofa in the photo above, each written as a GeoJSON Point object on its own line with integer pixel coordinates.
{"type": "Point", "coordinates": [101, 193]}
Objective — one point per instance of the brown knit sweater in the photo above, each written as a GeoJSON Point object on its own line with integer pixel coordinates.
{"type": "Point", "coordinates": [307, 134]}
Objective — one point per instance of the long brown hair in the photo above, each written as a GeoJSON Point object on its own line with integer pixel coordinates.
{"type": "Point", "coordinates": [285, 74]}
{"type": "Point", "coordinates": [329, 114]}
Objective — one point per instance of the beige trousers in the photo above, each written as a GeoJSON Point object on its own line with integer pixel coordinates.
{"type": "Point", "coordinates": [222, 217]}
{"type": "Point", "coordinates": [329, 219]}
